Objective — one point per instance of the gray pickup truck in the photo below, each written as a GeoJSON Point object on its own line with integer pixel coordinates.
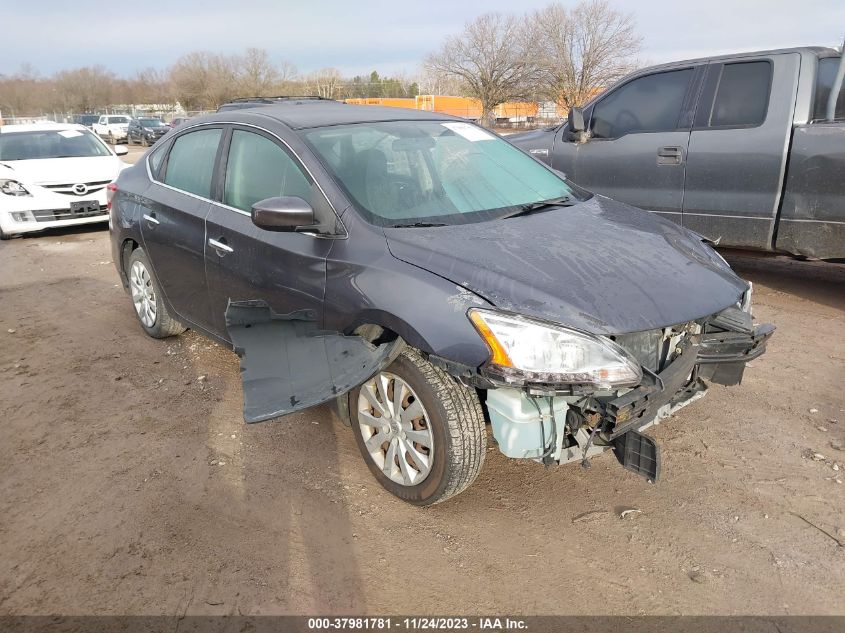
{"type": "Point", "coordinates": [747, 149]}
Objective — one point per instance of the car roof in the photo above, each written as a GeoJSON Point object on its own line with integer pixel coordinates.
{"type": "Point", "coordinates": [314, 113]}
{"type": "Point", "coordinates": [819, 51]}
{"type": "Point", "coordinates": [43, 126]}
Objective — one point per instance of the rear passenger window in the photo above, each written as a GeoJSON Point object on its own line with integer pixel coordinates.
{"type": "Point", "coordinates": [258, 168]}
{"type": "Point", "coordinates": [155, 161]}
{"type": "Point", "coordinates": [742, 97]}
{"type": "Point", "coordinates": [648, 104]}
{"type": "Point", "coordinates": [824, 82]}
{"type": "Point", "coordinates": [190, 164]}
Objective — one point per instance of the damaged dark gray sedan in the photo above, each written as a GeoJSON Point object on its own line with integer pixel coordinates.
{"type": "Point", "coordinates": [428, 277]}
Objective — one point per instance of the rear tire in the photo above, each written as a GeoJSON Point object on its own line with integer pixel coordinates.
{"type": "Point", "coordinates": [147, 299]}
{"type": "Point", "coordinates": [451, 416]}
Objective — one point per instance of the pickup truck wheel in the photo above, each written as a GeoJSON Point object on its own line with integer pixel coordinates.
{"type": "Point", "coordinates": [421, 433]}
{"type": "Point", "coordinates": [147, 299]}
{"type": "Point", "coordinates": [111, 139]}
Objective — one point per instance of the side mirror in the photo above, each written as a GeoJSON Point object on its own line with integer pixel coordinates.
{"type": "Point", "coordinates": [576, 120]}
{"type": "Point", "coordinates": [121, 150]}
{"type": "Point", "coordinates": [286, 213]}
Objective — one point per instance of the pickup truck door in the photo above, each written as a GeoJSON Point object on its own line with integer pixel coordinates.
{"type": "Point", "coordinates": [738, 149]}
{"type": "Point", "coordinates": [637, 149]}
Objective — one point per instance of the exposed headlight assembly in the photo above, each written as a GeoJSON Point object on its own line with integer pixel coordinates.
{"type": "Point", "coordinates": [529, 350]}
{"type": "Point", "coordinates": [13, 188]}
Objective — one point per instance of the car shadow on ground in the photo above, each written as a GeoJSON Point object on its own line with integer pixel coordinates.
{"type": "Point", "coordinates": [817, 281]}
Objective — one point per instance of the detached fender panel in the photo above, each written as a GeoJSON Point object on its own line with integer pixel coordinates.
{"type": "Point", "coordinates": [288, 364]}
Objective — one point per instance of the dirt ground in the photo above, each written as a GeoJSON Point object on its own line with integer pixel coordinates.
{"type": "Point", "coordinates": [129, 483]}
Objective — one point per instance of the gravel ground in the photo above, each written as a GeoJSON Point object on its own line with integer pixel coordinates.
{"type": "Point", "coordinates": [129, 483]}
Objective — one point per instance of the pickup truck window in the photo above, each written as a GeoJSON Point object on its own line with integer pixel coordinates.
{"type": "Point", "coordinates": [742, 97]}
{"type": "Point", "coordinates": [647, 104]}
{"type": "Point", "coordinates": [824, 81]}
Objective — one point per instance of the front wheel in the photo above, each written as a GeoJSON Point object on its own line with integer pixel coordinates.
{"type": "Point", "coordinates": [147, 299]}
{"type": "Point", "coordinates": [421, 433]}
{"type": "Point", "coordinates": [111, 140]}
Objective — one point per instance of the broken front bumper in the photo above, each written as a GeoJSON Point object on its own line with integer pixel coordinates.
{"type": "Point", "coordinates": [593, 424]}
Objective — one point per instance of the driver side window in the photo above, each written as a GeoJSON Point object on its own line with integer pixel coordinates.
{"type": "Point", "coordinates": [258, 168]}
{"type": "Point", "coordinates": [648, 104]}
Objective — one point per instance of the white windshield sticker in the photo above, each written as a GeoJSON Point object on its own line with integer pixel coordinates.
{"type": "Point", "coordinates": [70, 133]}
{"type": "Point", "coordinates": [469, 132]}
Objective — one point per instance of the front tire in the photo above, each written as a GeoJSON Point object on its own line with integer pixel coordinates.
{"type": "Point", "coordinates": [147, 299]}
{"type": "Point", "coordinates": [111, 140]}
{"type": "Point", "coordinates": [420, 432]}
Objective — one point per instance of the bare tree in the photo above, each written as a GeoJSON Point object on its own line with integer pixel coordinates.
{"type": "Point", "coordinates": [84, 89]}
{"type": "Point", "coordinates": [257, 76]}
{"type": "Point", "coordinates": [583, 51]}
{"type": "Point", "coordinates": [325, 83]}
{"type": "Point", "coordinates": [493, 60]}
{"type": "Point", "coordinates": [203, 80]}
{"type": "Point", "coordinates": [151, 86]}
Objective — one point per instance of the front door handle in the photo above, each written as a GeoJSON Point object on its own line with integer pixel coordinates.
{"type": "Point", "coordinates": [670, 155]}
{"type": "Point", "coordinates": [220, 246]}
{"type": "Point", "coordinates": [151, 219]}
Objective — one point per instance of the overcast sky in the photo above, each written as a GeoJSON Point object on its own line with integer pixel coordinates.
{"type": "Point", "coordinates": [357, 36]}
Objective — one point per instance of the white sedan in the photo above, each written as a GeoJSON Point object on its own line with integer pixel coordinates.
{"type": "Point", "coordinates": [53, 175]}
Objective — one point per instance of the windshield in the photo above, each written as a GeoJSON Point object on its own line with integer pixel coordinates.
{"type": "Point", "coordinates": [118, 119]}
{"type": "Point", "coordinates": [50, 144]}
{"type": "Point", "coordinates": [151, 122]}
{"type": "Point", "coordinates": [444, 172]}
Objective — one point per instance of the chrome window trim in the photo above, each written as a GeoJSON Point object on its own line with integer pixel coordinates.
{"type": "Point", "coordinates": [212, 124]}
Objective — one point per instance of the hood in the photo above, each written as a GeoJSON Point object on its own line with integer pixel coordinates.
{"type": "Point", "coordinates": [599, 266]}
{"type": "Point", "coordinates": [534, 138]}
{"type": "Point", "coordinates": [49, 171]}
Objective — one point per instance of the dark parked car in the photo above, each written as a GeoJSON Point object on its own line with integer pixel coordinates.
{"type": "Point", "coordinates": [88, 120]}
{"type": "Point", "coordinates": [146, 130]}
{"type": "Point", "coordinates": [745, 149]}
{"type": "Point", "coordinates": [424, 274]}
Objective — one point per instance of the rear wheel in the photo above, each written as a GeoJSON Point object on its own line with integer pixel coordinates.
{"type": "Point", "coordinates": [147, 299]}
{"type": "Point", "coordinates": [421, 433]}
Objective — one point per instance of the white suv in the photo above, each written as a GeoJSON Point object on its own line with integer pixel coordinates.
{"type": "Point", "coordinates": [53, 175]}
{"type": "Point", "coordinates": [112, 127]}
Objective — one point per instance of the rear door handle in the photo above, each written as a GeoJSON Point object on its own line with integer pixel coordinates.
{"type": "Point", "coordinates": [670, 155]}
{"type": "Point", "coordinates": [151, 219]}
{"type": "Point", "coordinates": [221, 247]}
